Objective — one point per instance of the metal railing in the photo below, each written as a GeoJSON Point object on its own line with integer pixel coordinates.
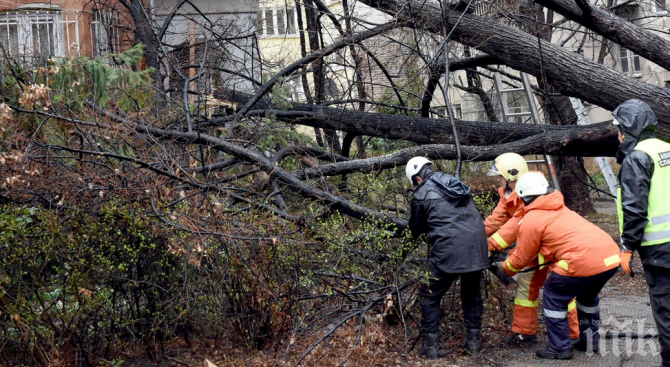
{"type": "Point", "coordinates": [35, 33]}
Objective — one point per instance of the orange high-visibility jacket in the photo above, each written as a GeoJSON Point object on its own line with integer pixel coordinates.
{"type": "Point", "coordinates": [577, 247]}
{"type": "Point", "coordinates": [502, 226]}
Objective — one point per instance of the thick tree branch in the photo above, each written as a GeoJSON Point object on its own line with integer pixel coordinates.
{"type": "Point", "coordinates": [643, 42]}
{"type": "Point", "coordinates": [571, 74]}
{"type": "Point", "coordinates": [269, 166]}
{"type": "Point", "coordinates": [567, 142]}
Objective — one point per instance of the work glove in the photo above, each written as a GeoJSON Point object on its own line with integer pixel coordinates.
{"type": "Point", "coordinates": [499, 266]}
{"type": "Point", "coordinates": [626, 261]}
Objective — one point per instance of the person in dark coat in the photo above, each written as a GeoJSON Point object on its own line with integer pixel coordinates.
{"type": "Point", "coordinates": [643, 204]}
{"type": "Point", "coordinates": [442, 208]}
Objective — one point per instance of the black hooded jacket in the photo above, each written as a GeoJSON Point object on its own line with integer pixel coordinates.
{"type": "Point", "coordinates": [443, 209]}
{"type": "Point", "coordinates": [637, 123]}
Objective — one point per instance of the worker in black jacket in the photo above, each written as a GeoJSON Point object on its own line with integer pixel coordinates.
{"type": "Point", "coordinates": [644, 207]}
{"type": "Point", "coordinates": [443, 209]}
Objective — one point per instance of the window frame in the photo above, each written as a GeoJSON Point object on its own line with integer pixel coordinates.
{"type": "Point", "coordinates": [630, 58]}
{"type": "Point", "coordinates": [659, 9]}
{"type": "Point", "coordinates": [276, 12]}
{"type": "Point", "coordinates": [29, 26]}
{"type": "Point", "coordinates": [104, 29]}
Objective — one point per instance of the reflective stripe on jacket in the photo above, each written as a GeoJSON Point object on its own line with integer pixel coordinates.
{"type": "Point", "coordinates": [577, 247]}
{"type": "Point", "coordinates": [657, 230]}
{"type": "Point", "coordinates": [502, 226]}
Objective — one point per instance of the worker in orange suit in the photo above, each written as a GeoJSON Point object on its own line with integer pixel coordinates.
{"type": "Point", "coordinates": [583, 258]}
{"type": "Point", "coordinates": [502, 228]}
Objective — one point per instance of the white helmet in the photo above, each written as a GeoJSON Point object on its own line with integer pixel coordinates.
{"type": "Point", "coordinates": [531, 184]}
{"type": "Point", "coordinates": [414, 165]}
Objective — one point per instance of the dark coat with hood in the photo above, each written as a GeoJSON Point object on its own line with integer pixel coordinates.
{"type": "Point", "coordinates": [443, 209]}
{"type": "Point", "coordinates": [637, 122]}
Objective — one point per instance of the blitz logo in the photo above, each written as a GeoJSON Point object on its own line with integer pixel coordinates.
{"type": "Point", "coordinates": [665, 159]}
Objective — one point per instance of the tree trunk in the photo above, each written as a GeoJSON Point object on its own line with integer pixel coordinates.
{"type": "Point", "coordinates": [639, 40]}
{"type": "Point", "coordinates": [420, 130]}
{"type": "Point", "coordinates": [555, 143]}
{"type": "Point", "coordinates": [303, 74]}
{"type": "Point", "coordinates": [571, 74]}
{"type": "Point", "coordinates": [332, 139]}
{"type": "Point", "coordinates": [145, 34]}
{"type": "Point", "coordinates": [570, 170]}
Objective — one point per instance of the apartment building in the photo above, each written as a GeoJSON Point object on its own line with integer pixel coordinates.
{"type": "Point", "coordinates": [35, 30]}
{"type": "Point", "coordinates": [215, 40]}
{"type": "Point", "coordinates": [279, 44]}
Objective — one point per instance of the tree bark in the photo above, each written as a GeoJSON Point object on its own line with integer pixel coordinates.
{"type": "Point", "coordinates": [313, 25]}
{"type": "Point", "coordinates": [145, 34]}
{"type": "Point", "coordinates": [571, 74]}
{"type": "Point", "coordinates": [637, 39]}
{"type": "Point", "coordinates": [570, 170]}
{"type": "Point", "coordinates": [420, 130]}
{"type": "Point", "coordinates": [562, 142]}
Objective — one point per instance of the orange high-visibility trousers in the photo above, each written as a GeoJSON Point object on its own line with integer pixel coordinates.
{"type": "Point", "coordinates": [526, 300]}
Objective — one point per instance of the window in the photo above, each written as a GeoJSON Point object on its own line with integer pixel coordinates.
{"type": "Point", "coordinates": [517, 102]}
{"type": "Point", "coordinates": [9, 39]}
{"type": "Point", "coordinates": [32, 33]}
{"type": "Point", "coordinates": [279, 22]}
{"type": "Point", "coordinates": [105, 37]}
{"type": "Point", "coordinates": [269, 22]}
{"type": "Point", "coordinates": [291, 21]}
{"type": "Point", "coordinates": [441, 112]}
{"type": "Point", "coordinates": [337, 60]}
{"type": "Point", "coordinates": [281, 17]}
{"type": "Point", "coordinates": [628, 62]}
{"type": "Point", "coordinates": [660, 6]}
{"type": "Point", "coordinates": [458, 112]}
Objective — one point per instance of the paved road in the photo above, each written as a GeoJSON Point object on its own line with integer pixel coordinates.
{"type": "Point", "coordinates": [620, 313]}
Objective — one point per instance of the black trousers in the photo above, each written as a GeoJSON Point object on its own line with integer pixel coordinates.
{"type": "Point", "coordinates": [658, 280]}
{"type": "Point", "coordinates": [471, 298]}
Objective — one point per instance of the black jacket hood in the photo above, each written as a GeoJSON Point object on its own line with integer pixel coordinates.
{"type": "Point", "coordinates": [637, 122]}
{"type": "Point", "coordinates": [448, 186]}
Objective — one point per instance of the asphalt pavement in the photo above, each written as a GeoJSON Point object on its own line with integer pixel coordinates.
{"type": "Point", "coordinates": [619, 314]}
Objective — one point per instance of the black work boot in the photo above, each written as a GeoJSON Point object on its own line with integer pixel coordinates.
{"type": "Point", "coordinates": [551, 353]}
{"type": "Point", "coordinates": [519, 339]}
{"type": "Point", "coordinates": [472, 341]}
{"type": "Point", "coordinates": [431, 346]}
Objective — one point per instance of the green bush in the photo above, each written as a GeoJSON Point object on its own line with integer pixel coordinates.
{"type": "Point", "coordinates": [84, 282]}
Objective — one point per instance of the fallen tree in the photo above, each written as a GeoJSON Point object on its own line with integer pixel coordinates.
{"type": "Point", "coordinates": [643, 42]}
{"type": "Point", "coordinates": [419, 129]}
{"type": "Point", "coordinates": [568, 72]}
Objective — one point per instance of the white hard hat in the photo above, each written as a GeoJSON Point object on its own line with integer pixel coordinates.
{"type": "Point", "coordinates": [615, 122]}
{"type": "Point", "coordinates": [509, 165]}
{"type": "Point", "coordinates": [414, 165]}
{"type": "Point", "coordinates": [531, 184]}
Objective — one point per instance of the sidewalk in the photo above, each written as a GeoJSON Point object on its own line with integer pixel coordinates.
{"type": "Point", "coordinates": [619, 313]}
